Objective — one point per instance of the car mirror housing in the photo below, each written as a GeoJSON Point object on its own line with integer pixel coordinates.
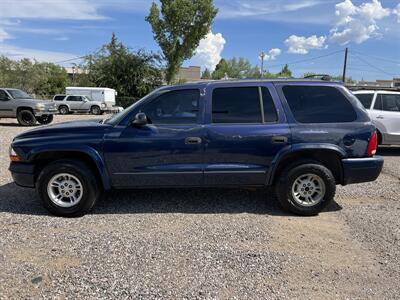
{"type": "Point", "coordinates": [140, 120]}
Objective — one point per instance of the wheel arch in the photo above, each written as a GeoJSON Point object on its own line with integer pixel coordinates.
{"type": "Point", "coordinates": [44, 156]}
{"type": "Point", "coordinates": [329, 156]}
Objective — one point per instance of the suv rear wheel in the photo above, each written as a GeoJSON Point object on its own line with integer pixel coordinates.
{"type": "Point", "coordinates": [26, 117]}
{"type": "Point", "coordinates": [306, 188]}
{"type": "Point", "coordinates": [63, 110]}
{"type": "Point", "coordinates": [68, 188]}
{"type": "Point", "coordinates": [95, 110]}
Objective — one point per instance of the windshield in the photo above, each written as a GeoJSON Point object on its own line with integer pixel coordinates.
{"type": "Point", "coordinates": [18, 94]}
{"type": "Point", "coordinates": [121, 115]}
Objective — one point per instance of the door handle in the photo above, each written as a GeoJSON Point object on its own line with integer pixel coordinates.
{"type": "Point", "coordinates": [279, 139]}
{"type": "Point", "coordinates": [380, 117]}
{"type": "Point", "coordinates": [193, 141]}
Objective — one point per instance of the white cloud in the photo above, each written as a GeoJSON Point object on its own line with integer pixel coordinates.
{"type": "Point", "coordinates": [4, 35]}
{"type": "Point", "coordinates": [208, 54]}
{"type": "Point", "coordinates": [49, 9]}
{"type": "Point", "coordinates": [272, 54]}
{"type": "Point", "coordinates": [17, 53]}
{"type": "Point", "coordinates": [396, 11]}
{"type": "Point", "coordinates": [357, 23]}
{"type": "Point", "coordinates": [302, 45]}
{"type": "Point", "coordinates": [274, 10]}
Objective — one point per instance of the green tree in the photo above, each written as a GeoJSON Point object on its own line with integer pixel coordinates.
{"type": "Point", "coordinates": [178, 27]}
{"type": "Point", "coordinates": [39, 79]}
{"type": "Point", "coordinates": [206, 74]}
{"type": "Point", "coordinates": [235, 68]}
{"type": "Point", "coordinates": [131, 74]}
{"type": "Point", "coordinates": [285, 72]}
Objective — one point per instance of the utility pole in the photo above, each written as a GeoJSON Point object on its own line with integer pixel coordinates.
{"type": "Point", "coordinates": [345, 64]}
{"type": "Point", "coordinates": [262, 57]}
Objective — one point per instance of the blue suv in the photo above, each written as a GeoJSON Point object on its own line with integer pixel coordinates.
{"type": "Point", "coordinates": [303, 137]}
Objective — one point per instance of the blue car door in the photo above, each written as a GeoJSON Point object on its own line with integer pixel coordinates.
{"type": "Point", "coordinates": [168, 152]}
{"type": "Point", "coordinates": [246, 128]}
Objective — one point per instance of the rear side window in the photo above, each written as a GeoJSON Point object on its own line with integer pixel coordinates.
{"type": "Point", "coordinates": [365, 99]}
{"type": "Point", "coordinates": [59, 98]}
{"type": "Point", "coordinates": [388, 102]}
{"type": "Point", "coordinates": [318, 104]}
{"type": "Point", "coordinates": [236, 105]}
{"type": "Point", "coordinates": [270, 114]}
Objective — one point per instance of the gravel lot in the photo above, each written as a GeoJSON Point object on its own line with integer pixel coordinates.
{"type": "Point", "coordinates": [205, 244]}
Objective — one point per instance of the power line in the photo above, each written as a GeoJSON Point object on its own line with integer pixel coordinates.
{"type": "Point", "coordinates": [306, 60]}
{"type": "Point", "coordinates": [373, 66]}
{"type": "Point", "coordinates": [376, 57]}
{"type": "Point", "coordinates": [72, 59]}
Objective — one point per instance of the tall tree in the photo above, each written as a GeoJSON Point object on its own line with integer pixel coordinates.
{"type": "Point", "coordinates": [206, 74]}
{"type": "Point", "coordinates": [132, 74]}
{"type": "Point", "coordinates": [285, 72]}
{"type": "Point", "coordinates": [178, 27]}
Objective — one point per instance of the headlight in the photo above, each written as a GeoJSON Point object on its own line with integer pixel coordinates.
{"type": "Point", "coordinates": [40, 106]}
{"type": "Point", "coordinates": [13, 155]}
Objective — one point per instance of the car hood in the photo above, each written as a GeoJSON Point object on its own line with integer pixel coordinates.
{"type": "Point", "coordinates": [64, 129]}
{"type": "Point", "coordinates": [34, 102]}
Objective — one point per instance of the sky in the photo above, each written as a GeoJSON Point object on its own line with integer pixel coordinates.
{"type": "Point", "coordinates": [309, 35]}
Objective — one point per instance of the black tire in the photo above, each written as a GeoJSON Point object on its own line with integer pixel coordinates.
{"type": "Point", "coordinates": [95, 110]}
{"type": "Point", "coordinates": [45, 119]}
{"type": "Point", "coordinates": [287, 180]}
{"type": "Point", "coordinates": [91, 190]}
{"type": "Point", "coordinates": [63, 110]}
{"type": "Point", "coordinates": [26, 117]}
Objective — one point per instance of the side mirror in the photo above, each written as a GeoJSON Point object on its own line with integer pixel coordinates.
{"type": "Point", "coordinates": [140, 120]}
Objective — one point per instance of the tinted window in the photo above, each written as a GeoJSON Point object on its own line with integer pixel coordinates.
{"type": "Point", "coordinates": [18, 94]}
{"type": "Point", "coordinates": [365, 99]}
{"type": "Point", "coordinates": [318, 104]}
{"type": "Point", "coordinates": [59, 98]}
{"type": "Point", "coordinates": [176, 107]}
{"type": "Point", "coordinates": [236, 105]}
{"type": "Point", "coordinates": [270, 115]}
{"type": "Point", "coordinates": [3, 95]}
{"type": "Point", "coordinates": [387, 102]}
{"type": "Point", "coordinates": [74, 98]}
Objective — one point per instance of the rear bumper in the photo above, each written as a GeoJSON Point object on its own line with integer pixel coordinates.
{"type": "Point", "coordinates": [23, 174]}
{"type": "Point", "coordinates": [357, 170]}
{"type": "Point", "coordinates": [110, 109]}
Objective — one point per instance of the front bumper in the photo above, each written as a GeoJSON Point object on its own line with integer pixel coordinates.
{"type": "Point", "coordinates": [39, 113]}
{"type": "Point", "coordinates": [357, 170]}
{"type": "Point", "coordinates": [23, 174]}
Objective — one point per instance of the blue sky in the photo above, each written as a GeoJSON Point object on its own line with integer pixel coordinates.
{"type": "Point", "coordinates": [289, 31]}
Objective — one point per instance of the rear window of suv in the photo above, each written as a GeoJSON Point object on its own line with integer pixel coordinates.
{"type": "Point", "coordinates": [318, 104]}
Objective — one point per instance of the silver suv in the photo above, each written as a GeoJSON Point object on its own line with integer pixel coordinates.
{"type": "Point", "coordinates": [15, 103]}
{"type": "Point", "coordinates": [383, 107]}
{"type": "Point", "coordinates": [83, 104]}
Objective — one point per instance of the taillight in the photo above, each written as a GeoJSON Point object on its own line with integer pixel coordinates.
{"type": "Point", "coordinates": [373, 144]}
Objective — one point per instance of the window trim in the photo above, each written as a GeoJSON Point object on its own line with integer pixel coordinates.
{"type": "Point", "coordinates": [199, 115]}
{"type": "Point", "coordinates": [261, 100]}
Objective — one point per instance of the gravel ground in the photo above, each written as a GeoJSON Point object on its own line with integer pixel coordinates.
{"type": "Point", "coordinates": [204, 244]}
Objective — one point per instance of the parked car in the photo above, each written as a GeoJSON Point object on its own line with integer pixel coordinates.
{"type": "Point", "coordinates": [383, 107]}
{"type": "Point", "coordinates": [17, 104]}
{"type": "Point", "coordinates": [83, 104]}
{"type": "Point", "coordinates": [303, 137]}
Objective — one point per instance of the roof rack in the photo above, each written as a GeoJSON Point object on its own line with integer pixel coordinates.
{"type": "Point", "coordinates": [324, 77]}
{"type": "Point", "coordinates": [374, 88]}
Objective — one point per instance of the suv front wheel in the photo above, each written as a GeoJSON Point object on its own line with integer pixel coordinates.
{"type": "Point", "coordinates": [68, 188]}
{"type": "Point", "coordinates": [306, 189]}
{"type": "Point", "coordinates": [26, 117]}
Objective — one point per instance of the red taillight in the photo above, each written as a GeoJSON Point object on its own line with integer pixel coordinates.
{"type": "Point", "coordinates": [373, 144]}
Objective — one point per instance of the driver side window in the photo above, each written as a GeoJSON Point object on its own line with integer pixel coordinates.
{"type": "Point", "coordinates": [179, 107]}
{"type": "Point", "coordinates": [3, 96]}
